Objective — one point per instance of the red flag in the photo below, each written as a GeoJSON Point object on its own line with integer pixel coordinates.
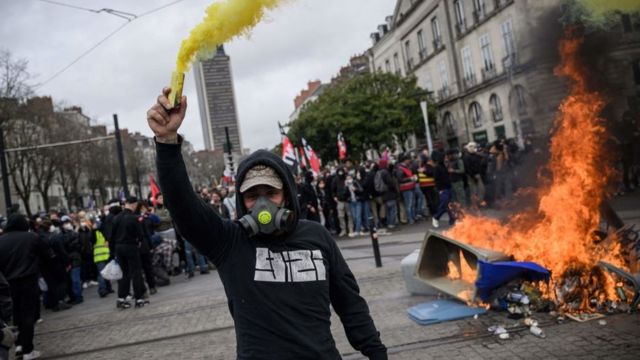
{"type": "Point", "coordinates": [314, 161]}
{"type": "Point", "coordinates": [155, 189]}
{"type": "Point", "coordinates": [303, 159]}
{"type": "Point", "coordinates": [342, 147]}
{"type": "Point", "coordinates": [288, 151]}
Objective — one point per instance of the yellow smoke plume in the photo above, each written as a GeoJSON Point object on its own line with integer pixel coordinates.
{"type": "Point", "coordinates": [223, 21]}
{"type": "Point", "coordinates": [600, 10]}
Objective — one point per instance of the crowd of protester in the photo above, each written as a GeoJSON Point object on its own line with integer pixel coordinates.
{"type": "Point", "coordinates": [352, 198]}
{"type": "Point", "coordinates": [51, 259]}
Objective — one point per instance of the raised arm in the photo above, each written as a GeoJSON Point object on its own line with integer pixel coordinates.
{"type": "Point", "coordinates": [196, 221]}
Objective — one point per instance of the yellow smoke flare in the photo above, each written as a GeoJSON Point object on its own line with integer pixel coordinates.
{"type": "Point", "coordinates": [223, 21]}
{"type": "Point", "coordinates": [599, 10]}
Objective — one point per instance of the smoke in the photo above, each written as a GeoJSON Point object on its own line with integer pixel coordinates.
{"type": "Point", "coordinates": [599, 13]}
{"type": "Point", "coordinates": [223, 21]}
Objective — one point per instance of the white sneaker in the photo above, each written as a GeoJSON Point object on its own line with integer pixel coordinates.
{"type": "Point", "coordinates": [351, 235]}
{"type": "Point", "coordinates": [32, 355]}
{"type": "Point", "coordinates": [363, 233]}
{"type": "Point", "coordinates": [39, 321]}
{"type": "Point", "coordinates": [93, 283]}
{"type": "Point", "coordinates": [435, 223]}
{"type": "Point", "coordinates": [85, 285]}
{"type": "Point", "coordinates": [19, 348]}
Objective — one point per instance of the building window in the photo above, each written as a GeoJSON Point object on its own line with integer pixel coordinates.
{"type": "Point", "coordinates": [444, 74]}
{"type": "Point", "coordinates": [467, 66]}
{"type": "Point", "coordinates": [428, 84]}
{"type": "Point", "coordinates": [437, 36]}
{"type": "Point", "coordinates": [387, 65]}
{"type": "Point", "coordinates": [449, 124]}
{"type": "Point", "coordinates": [508, 39]}
{"type": "Point", "coordinates": [487, 54]}
{"type": "Point", "coordinates": [496, 108]}
{"type": "Point", "coordinates": [626, 23]}
{"type": "Point", "coordinates": [479, 12]}
{"type": "Point", "coordinates": [459, 9]}
{"type": "Point", "coordinates": [396, 64]}
{"type": "Point", "coordinates": [421, 45]}
{"type": "Point", "coordinates": [475, 114]}
{"type": "Point", "coordinates": [407, 54]}
{"type": "Point", "coordinates": [520, 99]}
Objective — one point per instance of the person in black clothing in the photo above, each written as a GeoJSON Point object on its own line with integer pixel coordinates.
{"type": "Point", "coordinates": [443, 185]}
{"type": "Point", "coordinates": [280, 273]}
{"type": "Point", "coordinates": [389, 193]}
{"type": "Point", "coordinates": [20, 253]}
{"type": "Point", "coordinates": [146, 219]}
{"type": "Point", "coordinates": [73, 247]}
{"type": "Point", "coordinates": [128, 235]}
{"type": "Point", "coordinates": [331, 214]}
{"type": "Point", "coordinates": [309, 199]}
{"type": "Point", "coordinates": [7, 338]}
{"type": "Point", "coordinates": [107, 225]}
{"type": "Point", "coordinates": [55, 273]}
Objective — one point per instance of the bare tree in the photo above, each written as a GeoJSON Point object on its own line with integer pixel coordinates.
{"type": "Point", "coordinates": [14, 77]}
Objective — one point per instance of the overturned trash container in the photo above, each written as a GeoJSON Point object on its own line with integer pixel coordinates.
{"type": "Point", "coordinates": [451, 266]}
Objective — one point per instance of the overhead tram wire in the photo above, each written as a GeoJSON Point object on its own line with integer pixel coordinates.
{"type": "Point", "coordinates": [127, 16]}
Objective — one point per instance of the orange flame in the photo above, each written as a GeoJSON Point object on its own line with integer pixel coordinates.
{"type": "Point", "coordinates": [559, 232]}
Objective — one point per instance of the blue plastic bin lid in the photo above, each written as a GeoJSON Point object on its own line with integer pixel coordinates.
{"type": "Point", "coordinates": [438, 311]}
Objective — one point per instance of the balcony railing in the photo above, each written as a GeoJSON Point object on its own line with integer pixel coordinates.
{"type": "Point", "coordinates": [444, 93]}
{"type": "Point", "coordinates": [479, 14]}
{"type": "Point", "coordinates": [423, 53]}
{"type": "Point", "coordinates": [437, 44]}
{"type": "Point", "coordinates": [490, 73]}
{"type": "Point", "coordinates": [461, 27]}
{"type": "Point", "coordinates": [470, 80]}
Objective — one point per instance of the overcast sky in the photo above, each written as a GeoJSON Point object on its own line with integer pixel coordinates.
{"type": "Point", "coordinates": [302, 40]}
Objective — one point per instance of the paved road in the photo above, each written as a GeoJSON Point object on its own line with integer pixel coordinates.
{"type": "Point", "coordinates": [190, 320]}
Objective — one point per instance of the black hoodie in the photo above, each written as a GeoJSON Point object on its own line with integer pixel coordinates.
{"type": "Point", "coordinates": [20, 250]}
{"type": "Point", "coordinates": [279, 288]}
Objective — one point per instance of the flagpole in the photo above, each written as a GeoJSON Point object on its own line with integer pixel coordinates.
{"type": "Point", "coordinates": [425, 115]}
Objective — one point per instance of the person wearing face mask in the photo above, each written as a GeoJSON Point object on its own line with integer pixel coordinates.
{"type": "Point", "coordinates": [280, 273]}
{"type": "Point", "coordinates": [73, 247]}
{"type": "Point", "coordinates": [128, 236]}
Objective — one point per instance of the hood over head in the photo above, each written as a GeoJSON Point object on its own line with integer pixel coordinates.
{"type": "Point", "coordinates": [17, 222]}
{"type": "Point", "coordinates": [263, 157]}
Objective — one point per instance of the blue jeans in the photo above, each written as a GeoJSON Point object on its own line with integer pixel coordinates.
{"type": "Point", "coordinates": [104, 286]}
{"type": "Point", "coordinates": [445, 198]}
{"type": "Point", "coordinates": [407, 196]}
{"type": "Point", "coordinates": [188, 252]}
{"type": "Point", "coordinates": [76, 283]}
{"type": "Point", "coordinates": [356, 213]}
{"type": "Point", "coordinates": [392, 212]}
{"type": "Point", "coordinates": [419, 202]}
{"type": "Point", "coordinates": [366, 214]}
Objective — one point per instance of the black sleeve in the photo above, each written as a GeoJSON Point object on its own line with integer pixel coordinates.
{"type": "Point", "coordinates": [352, 308]}
{"type": "Point", "coordinates": [197, 221]}
{"type": "Point", "coordinates": [5, 301]}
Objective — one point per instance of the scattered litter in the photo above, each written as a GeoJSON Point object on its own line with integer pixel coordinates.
{"type": "Point", "coordinates": [537, 332]}
{"type": "Point", "coordinates": [475, 317]}
{"type": "Point", "coordinates": [602, 322]}
{"type": "Point", "coordinates": [584, 317]}
{"type": "Point", "coordinates": [504, 336]}
{"type": "Point", "coordinates": [433, 312]}
{"type": "Point", "coordinates": [530, 322]}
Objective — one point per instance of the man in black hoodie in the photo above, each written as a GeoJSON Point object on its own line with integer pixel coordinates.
{"type": "Point", "coordinates": [20, 253]}
{"type": "Point", "coordinates": [7, 337]}
{"type": "Point", "coordinates": [280, 274]}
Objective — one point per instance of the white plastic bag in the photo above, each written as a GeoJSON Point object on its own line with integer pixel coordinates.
{"type": "Point", "coordinates": [112, 271]}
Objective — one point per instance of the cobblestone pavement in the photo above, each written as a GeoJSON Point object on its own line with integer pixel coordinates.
{"type": "Point", "coordinates": [190, 320]}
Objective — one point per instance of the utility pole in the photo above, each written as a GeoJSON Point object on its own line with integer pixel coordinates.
{"type": "Point", "coordinates": [123, 171]}
{"type": "Point", "coordinates": [5, 173]}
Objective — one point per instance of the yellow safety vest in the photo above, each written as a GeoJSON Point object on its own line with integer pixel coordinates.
{"type": "Point", "coordinates": [100, 249]}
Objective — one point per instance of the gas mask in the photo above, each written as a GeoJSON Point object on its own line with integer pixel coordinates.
{"type": "Point", "coordinates": [265, 218]}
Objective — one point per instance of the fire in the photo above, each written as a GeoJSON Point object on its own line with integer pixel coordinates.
{"type": "Point", "coordinates": [558, 233]}
{"type": "Point", "coordinates": [459, 269]}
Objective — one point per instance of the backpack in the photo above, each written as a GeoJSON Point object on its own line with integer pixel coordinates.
{"type": "Point", "coordinates": [379, 184]}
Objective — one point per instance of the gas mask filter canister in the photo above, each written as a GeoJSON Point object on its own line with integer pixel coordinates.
{"type": "Point", "coordinates": [265, 218]}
